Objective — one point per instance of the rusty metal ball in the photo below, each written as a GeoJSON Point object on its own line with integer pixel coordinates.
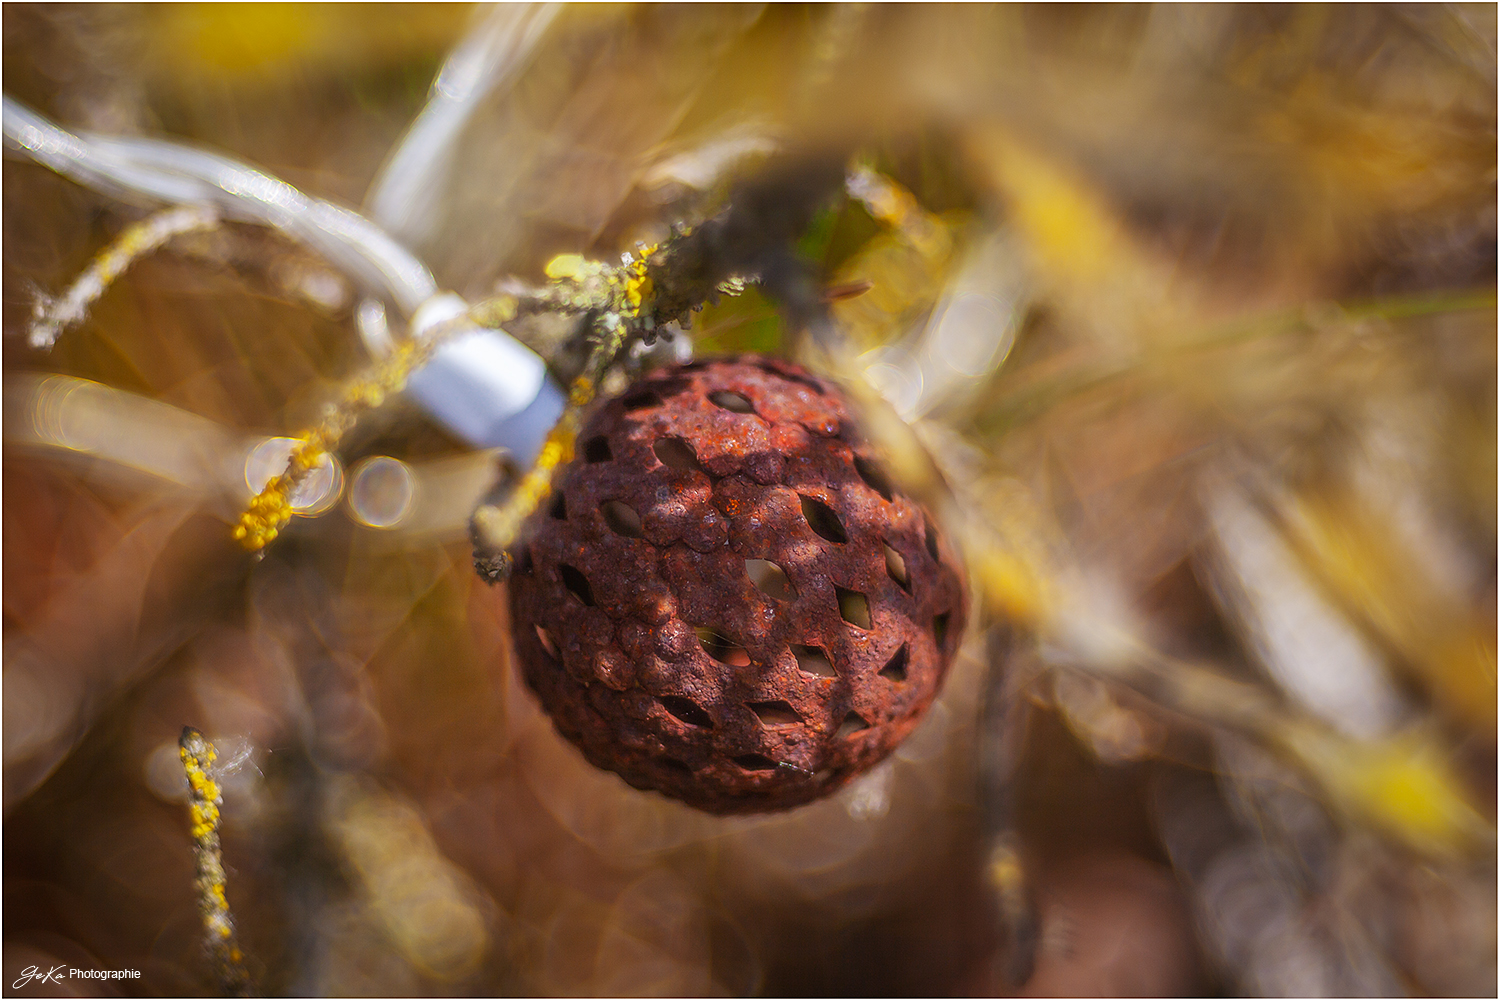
{"type": "Point", "coordinates": [726, 600]}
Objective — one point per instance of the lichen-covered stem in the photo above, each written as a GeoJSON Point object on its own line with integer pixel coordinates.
{"type": "Point", "coordinates": [53, 316]}
{"type": "Point", "coordinates": [495, 527]}
{"type": "Point", "coordinates": [269, 511]}
{"type": "Point", "coordinates": [205, 799]}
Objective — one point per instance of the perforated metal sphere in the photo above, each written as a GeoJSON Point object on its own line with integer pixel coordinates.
{"type": "Point", "coordinates": [726, 600]}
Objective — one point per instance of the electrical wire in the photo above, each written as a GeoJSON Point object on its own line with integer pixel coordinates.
{"type": "Point", "coordinates": [140, 169]}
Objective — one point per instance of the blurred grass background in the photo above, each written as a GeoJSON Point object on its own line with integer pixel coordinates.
{"type": "Point", "coordinates": [1191, 306]}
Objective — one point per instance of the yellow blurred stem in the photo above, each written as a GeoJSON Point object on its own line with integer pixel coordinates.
{"type": "Point", "coordinates": [1082, 253]}
{"type": "Point", "coordinates": [495, 528]}
{"type": "Point", "coordinates": [271, 509]}
{"type": "Point", "coordinates": [904, 267]}
{"type": "Point", "coordinates": [204, 801]}
{"type": "Point", "coordinates": [1039, 396]}
{"type": "Point", "coordinates": [1401, 784]}
{"type": "Point", "coordinates": [1362, 563]}
{"type": "Point", "coordinates": [1011, 585]}
{"type": "Point", "coordinates": [1006, 875]}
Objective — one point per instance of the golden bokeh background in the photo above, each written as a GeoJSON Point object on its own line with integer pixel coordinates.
{"type": "Point", "coordinates": [1192, 308]}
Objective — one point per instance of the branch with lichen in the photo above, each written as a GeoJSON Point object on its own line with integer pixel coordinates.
{"type": "Point", "coordinates": [52, 316]}
{"type": "Point", "coordinates": [660, 285]}
{"type": "Point", "coordinates": [269, 511]}
{"type": "Point", "coordinates": [656, 285]}
{"type": "Point", "coordinates": [620, 300]}
{"type": "Point", "coordinates": [205, 800]}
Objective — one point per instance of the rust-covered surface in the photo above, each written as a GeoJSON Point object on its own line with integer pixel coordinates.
{"type": "Point", "coordinates": [668, 658]}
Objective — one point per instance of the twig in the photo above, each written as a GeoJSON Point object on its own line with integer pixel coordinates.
{"type": "Point", "coordinates": [1005, 873]}
{"type": "Point", "coordinates": [205, 799]}
{"type": "Point", "coordinates": [1025, 402]}
{"type": "Point", "coordinates": [53, 316]}
{"type": "Point", "coordinates": [269, 511]}
{"type": "Point", "coordinates": [133, 168]}
{"type": "Point", "coordinates": [621, 299]}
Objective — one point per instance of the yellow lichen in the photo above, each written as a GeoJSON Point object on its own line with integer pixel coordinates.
{"type": "Point", "coordinates": [213, 904]}
{"type": "Point", "coordinates": [270, 510]}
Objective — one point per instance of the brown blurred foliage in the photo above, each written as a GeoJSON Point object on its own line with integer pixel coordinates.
{"type": "Point", "coordinates": [1194, 312]}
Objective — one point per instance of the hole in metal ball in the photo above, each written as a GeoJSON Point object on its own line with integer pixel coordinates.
{"type": "Point", "coordinates": [931, 540]}
{"type": "Point", "coordinates": [853, 723]}
{"type": "Point", "coordinates": [597, 450]}
{"type": "Point", "coordinates": [873, 475]}
{"type": "Point", "coordinates": [640, 401]}
{"type": "Point", "coordinates": [721, 648]}
{"type": "Point", "coordinates": [547, 642]}
{"type": "Point", "coordinates": [770, 579]}
{"type": "Point", "coordinates": [755, 763]}
{"type": "Point", "coordinates": [574, 580]}
{"type": "Point", "coordinates": [621, 518]}
{"type": "Point", "coordinates": [940, 629]}
{"type": "Point", "coordinates": [895, 566]}
{"type": "Point", "coordinates": [895, 668]}
{"type": "Point", "coordinates": [854, 607]}
{"type": "Point", "coordinates": [686, 710]}
{"type": "Point", "coordinates": [777, 713]}
{"type": "Point", "coordinates": [822, 520]}
{"type": "Point", "coordinates": [726, 399]}
{"type": "Point", "coordinates": [812, 660]}
{"type": "Point", "coordinates": [559, 508]}
{"type": "Point", "coordinates": [676, 454]}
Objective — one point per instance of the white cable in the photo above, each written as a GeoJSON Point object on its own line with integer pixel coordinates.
{"type": "Point", "coordinates": [485, 386]}
{"type": "Point", "coordinates": [403, 194]}
{"type": "Point", "coordinates": [133, 169]}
